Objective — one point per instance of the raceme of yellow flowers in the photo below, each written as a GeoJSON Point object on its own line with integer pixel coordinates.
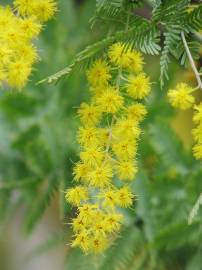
{"type": "Point", "coordinates": [108, 138]}
{"type": "Point", "coordinates": [182, 98]}
{"type": "Point", "coordinates": [19, 26]}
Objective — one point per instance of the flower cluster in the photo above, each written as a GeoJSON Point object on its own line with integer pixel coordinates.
{"type": "Point", "coordinates": [19, 25]}
{"type": "Point", "coordinates": [108, 137]}
{"type": "Point", "coordinates": [182, 98]}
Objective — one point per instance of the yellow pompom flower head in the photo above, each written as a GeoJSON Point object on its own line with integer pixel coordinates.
{"type": "Point", "coordinates": [109, 138]}
{"type": "Point", "coordinates": [19, 25]}
{"type": "Point", "coordinates": [181, 97]}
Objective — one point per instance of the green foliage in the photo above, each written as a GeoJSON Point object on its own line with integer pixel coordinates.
{"type": "Point", "coordinates": [168, 20]}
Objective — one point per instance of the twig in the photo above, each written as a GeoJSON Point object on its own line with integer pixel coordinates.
{"type": "Point", "coordinates": [191, 61]}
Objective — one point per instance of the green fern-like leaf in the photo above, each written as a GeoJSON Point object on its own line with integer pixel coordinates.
{"type": "Point", "coordinates": [194, 19]}
{"type": "Point", "coordinates": [142, 36]}
{"type": "Point", "coordinates": [172, 37]}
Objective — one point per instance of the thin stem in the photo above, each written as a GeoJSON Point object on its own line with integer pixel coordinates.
{"type": "Point", "coordinates": [191, 61]}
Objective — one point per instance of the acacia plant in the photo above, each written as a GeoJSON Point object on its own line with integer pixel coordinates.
{"type": "Point", "coordinates": [129, 193]}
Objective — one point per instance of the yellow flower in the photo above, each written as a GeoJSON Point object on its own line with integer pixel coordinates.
{"type": "Point", "coordinates": [111, 101]}
{"type": "Point", "coordinates": [17, 29]}
{"type": "Point", "coordinates": [125, 197]}
{"type": "Point", "coordinates": [6, 18]}
{"type": "Point", "coordinates": [197, 133]}
{"type": "Point", "coordinates": [109, 146]}
{"type": "Point", "coordinates": [88, 137]}
{"type": "Point", "coordinates": [101, 175]}
{"type": "Point", "coordinates": [123, 56]}
{"type": "Point", "coordinates": [76, 195]}
{"type": "Point", "coordinates": [87, 212]}
{"type": "Point", "coordinates": [112, 222]}
{"type": "Point", "coordinates": [43, 10]}
{"type": "Point", "coordinates": [133, 60]}
{"type": "Point", "coordinates": [89, 114]}
{"type": "Point", "coordinates": [125, 150]}
{"type": "Point", "coordinates": [198, 114]}
{"type": "Point", "coordinates": [126, 170]}
{"type": "Point", "coordinates": [98, 74]}
{"type": "Point", "coordinates": [126, 129]}
{"type": "Point", "coordinates": [82, 240]}
{"type": "Point", "coordinates": [136, 112]}
{"type": "Point", "coordinates": [18, 73]}
{"type": "Point", "coordinates": [138, 86]}
{"type": "Point", "coordinates": [99, 243]}
{"type": "Point", "coordinates": [30, 27]}
{"type": "Point", "coordinates": [181, 97]}
{"type": "Point", "coordinates": [92, 156]}
{"type": "Point", "coordinates": [109, 198]}
{"type": "Point", "coordinates": [24, 7]}
{"type": "Point", "coordinates": [5, 54]}
{"type": "Point", "coordinates": [197, 151]}
{"type": "Point", "coordinates": [116, 52]}
{"type": "Point", "coordinates": [26, 53]}
{"type": "Point", "coordinates": [81, 171]}
{"type": "Point", "coordinates": [78, 224]}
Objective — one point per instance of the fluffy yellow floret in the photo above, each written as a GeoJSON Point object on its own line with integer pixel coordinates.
{"type": "Point", "coordinates": [99, 73]}
{"type": "Point", "coordinates": [111, 101]}
{"type": "Point", "coordinates": [197, 151]}
{"type": "Point", "coordinates": [99, 243]}
{"type": "Point", "coordinates": [89, 114]}
{"type": "Point", "coordinates": [126, 129]}
{"type": "Point", "coordinates": [5, 55]}
{"type": "Point", "coordinates": [138, 86]}
{"type": "Point", "coordinates": [81, 171]}
{"type": "Point", "coordinates": [88, 137]}
{"type": "Point", "coordinates": [25, 52]}
{"type": "Point", "coordinates": [125, 57]}
{"type": "Point", "coordinates": [82, 240]}
{"type": "Point", "coordinates": [116, 52]}
{"type": "Point", "coordinates": [125, 197]}
{"type": "Point", "coordinates": [101, 176]}
{"type": "Point", "coordinates": [112, 222]}
{"type": "Point", "coordinates": [109, 198]}
{"type": "Point", "coordinates": [181, 96]}
{"type": "Point", "coordinates": [24, 7]}
{"type": "Point", "coordinates": [197, 133]}
{"type": "Point", "coordinates": [76, 195]}
{"type": "Point", "coordinates": [30, 27]}
{"type": "Point", "coordinates": [92, 156]}
{"type": "Point", "coordinates": [133, 61]}
{"type": "Point", "coordinates": [126, 170]}
{"type": "Point", "coordinates": [18, 73]}
{"type": "Point", "coordinates": [44, 10]}
{"type": "Point", "coordinates": [125, 150]}
{"type": "Point", "coordinates": [136, 112]}
{"type": "Point", "coordinates": [198, 114]}
{"type": "Point", "coordinates": [78, 224]}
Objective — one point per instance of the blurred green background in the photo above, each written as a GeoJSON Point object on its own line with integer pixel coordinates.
{"type": "Point", "coordinates": [38, 149]}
